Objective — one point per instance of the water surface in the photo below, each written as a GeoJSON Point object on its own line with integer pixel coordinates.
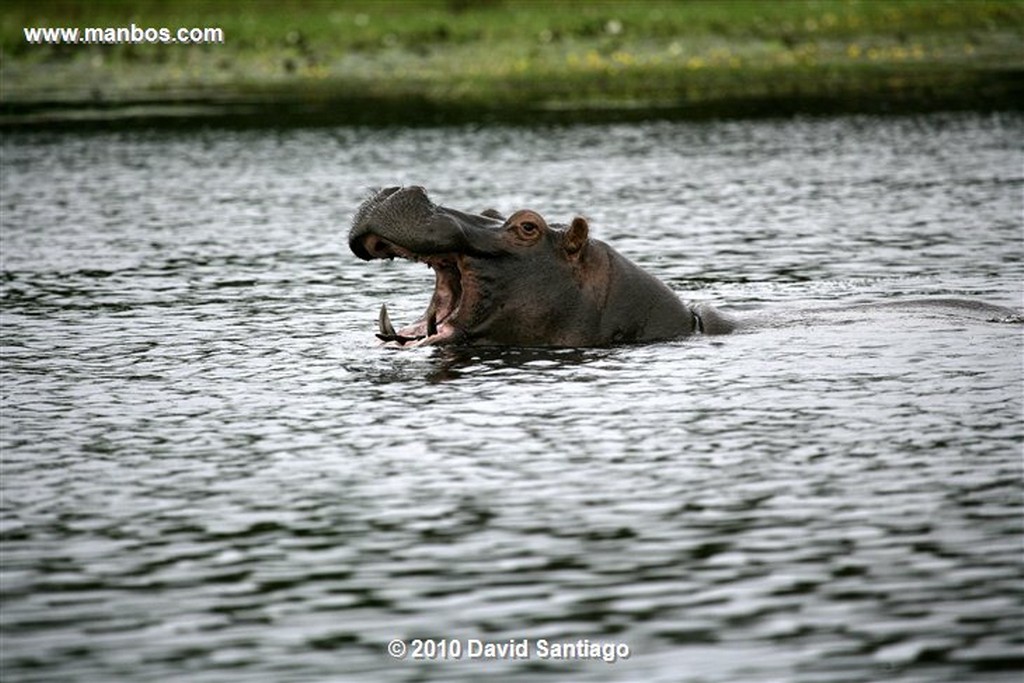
{"type": "Point", "coordinates": [211, 472]}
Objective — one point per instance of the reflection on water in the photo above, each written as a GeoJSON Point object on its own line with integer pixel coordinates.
{"type": "Point", "coordinates": [211, 472]}
{"type": "Point", "coordinates": [539, 364]}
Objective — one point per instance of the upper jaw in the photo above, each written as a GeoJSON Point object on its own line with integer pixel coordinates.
{"type": "Point", "coordinates": [408, 216]}
{"type": "Point", "coordinates": [404, 208]}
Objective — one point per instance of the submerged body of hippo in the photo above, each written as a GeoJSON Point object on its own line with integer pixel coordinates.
{"type": "Point", "coordinates": [519, 281]}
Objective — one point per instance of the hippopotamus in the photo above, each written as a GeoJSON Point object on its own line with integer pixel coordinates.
{"type": "Point", "coordinates": [520, 280]}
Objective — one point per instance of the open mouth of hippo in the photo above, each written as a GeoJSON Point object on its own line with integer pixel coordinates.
{"type": "Point", "coordinates": [402, 222]}
{"type": "Point", "coordinates": [439, 323]}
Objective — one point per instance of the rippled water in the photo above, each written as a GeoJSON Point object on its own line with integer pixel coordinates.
{"type": "Point", "coordinates": [212, 473]}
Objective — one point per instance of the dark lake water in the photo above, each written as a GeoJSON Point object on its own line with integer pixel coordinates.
{"type": "Point", "coordinates": [211, 472]}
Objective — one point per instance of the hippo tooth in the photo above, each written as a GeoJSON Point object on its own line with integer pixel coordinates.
{"type": "Point", "coordinates": [431, 318]}
{"type": "Point", "coordinates": [386, 328]}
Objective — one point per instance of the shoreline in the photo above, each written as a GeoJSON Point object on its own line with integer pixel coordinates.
{"type": "Point", "coordinates": [198, 112]}
{"type": "Point", "coordinates": [437, 62]}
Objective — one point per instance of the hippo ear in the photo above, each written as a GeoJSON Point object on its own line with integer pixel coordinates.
{"type": "Point", "coordinates": [575, 237]}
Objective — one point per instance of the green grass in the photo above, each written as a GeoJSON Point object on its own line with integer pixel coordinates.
{"type": "Point", "coordinates": [516, 58]}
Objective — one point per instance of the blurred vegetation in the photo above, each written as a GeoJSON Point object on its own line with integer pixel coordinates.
{"type": "Point", "coordinates": [520, 58]}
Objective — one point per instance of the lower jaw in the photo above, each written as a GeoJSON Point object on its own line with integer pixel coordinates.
{"type": "Point", "coordinates": [424, 332]}
{"type": "Point", "coordinates": [437, 326]}
{"type": "Point", "coordinates": [414, 336]}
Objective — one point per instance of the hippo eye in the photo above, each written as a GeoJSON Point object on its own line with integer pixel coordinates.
{"type": "Point", "coordinates": [527, 228]}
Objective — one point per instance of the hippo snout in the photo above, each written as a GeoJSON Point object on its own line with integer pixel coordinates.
{"type": "Point", "coordinates": [394, 214]}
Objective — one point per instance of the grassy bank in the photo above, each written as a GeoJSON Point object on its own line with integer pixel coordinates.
{"type": "Point", "coordinates": [406, 62]}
